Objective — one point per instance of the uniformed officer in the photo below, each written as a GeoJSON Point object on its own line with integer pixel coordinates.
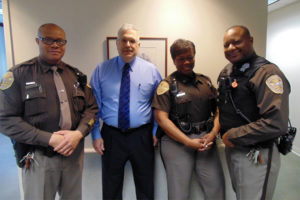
{"type": "Point", "coordinates": [185, 103]}
{"type": "Point", "coordinates": [47, 110]}
{"type": "Point", "coordinates": [253, 103]}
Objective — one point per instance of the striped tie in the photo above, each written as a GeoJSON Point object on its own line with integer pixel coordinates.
{"type": "Point", "coordinates": [124, 99]}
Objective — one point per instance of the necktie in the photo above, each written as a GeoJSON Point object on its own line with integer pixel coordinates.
{"type": "Point", "coordinates": [124, 99]}
{"type": "Point", "coordinates": [65, 121]}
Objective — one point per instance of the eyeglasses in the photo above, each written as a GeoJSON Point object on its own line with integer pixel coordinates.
{"type": "Point", "coordinates": [50, 41]}
{"type": "Point", "coordinates": [125, 41]}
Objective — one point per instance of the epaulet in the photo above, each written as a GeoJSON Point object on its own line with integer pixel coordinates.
{"type": "Point", "coordinates": [26, 63]}
{"type": "Point", "coordinates": [203, 76]}
{"type": "Point", "coordinates": [170, 77]}
{"type": "Point", "coordinates": [76, 70]}
{"type": "Point", "coordinates": [82, 78]}
{"type": "Point", "coordinates": [255, 65]}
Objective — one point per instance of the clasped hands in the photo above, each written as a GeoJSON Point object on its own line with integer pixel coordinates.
{"type": "Point", "coordinates": [65, 141]}
{"type": "Point", "coordinates": [202, 144]}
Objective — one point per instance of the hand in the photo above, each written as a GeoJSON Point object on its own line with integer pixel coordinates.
{"type": "Point", "coordinates": [99, 145]}
{"type": "Point", "coordinates": [226, 141]}
{"type": "Point", "coordinates": [195, 143]}
{"type": "Point", "coordinates": [155, 140]}
{"type": "Point", "coordinates": [55, 140]}
{"type": "Point", "coordinates": [208, 141]}
{"type": "Point", "coordinates": [70, 142]}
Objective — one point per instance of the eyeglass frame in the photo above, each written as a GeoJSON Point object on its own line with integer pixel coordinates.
{"type": "Point", "coordinates": [51, 41]}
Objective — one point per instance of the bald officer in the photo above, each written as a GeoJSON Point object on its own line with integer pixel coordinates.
{"type": "Point", "coordinates": [253, 103]}
{"type": "Point", "coordinates": [47, 110]}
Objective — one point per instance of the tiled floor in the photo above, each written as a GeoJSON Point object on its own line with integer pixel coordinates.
{"type": "Point", "coordinates": [287, 185]}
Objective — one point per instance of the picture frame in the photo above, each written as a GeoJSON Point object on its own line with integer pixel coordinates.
{"type": "Point", "coordinates": [152, 49]}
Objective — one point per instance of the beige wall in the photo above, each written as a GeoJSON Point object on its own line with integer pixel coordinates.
{"type": "Point", "coordinates": [87, 23]}
{"type": "Point", "coordinates": [283, 49]}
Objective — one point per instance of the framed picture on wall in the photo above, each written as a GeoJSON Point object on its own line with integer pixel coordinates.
{"type": "Point", "coordinates": [152, 49]}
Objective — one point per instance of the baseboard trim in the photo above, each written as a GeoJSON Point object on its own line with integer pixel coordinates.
{"type": "Point", "coordinates": [296, 151]}
{"type": "Point", "coordinates": [89, 150]}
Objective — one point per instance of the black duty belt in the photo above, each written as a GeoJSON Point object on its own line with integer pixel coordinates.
{"type": "Point", "coordinates": [194, 127]}
{"type": "Point", "coordinates": [265, 144]}
{"type": "Point", "coordinates": [199, 127]}
{"type": "Point", "coordinates": [47, 151]}
{"type": "Point", "coordinates": [129, 130]}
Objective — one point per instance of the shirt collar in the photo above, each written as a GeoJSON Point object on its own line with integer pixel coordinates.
{"type": "Point", "coordinates": [185, 78]}
{"type": "Point", "coordinates": [46, 66]}
{"type": "Point", "coordinates": [121, 63]}
{"type": "Point", "coordinates": [242, 67]}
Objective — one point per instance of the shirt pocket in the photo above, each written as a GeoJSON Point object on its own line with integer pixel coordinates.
{"type": "Point", "coordinates": [146, 90]}
{"type": "Point", "coordinates": [34, 100]}
{"type": "Point", "coordinates": [78, 100]}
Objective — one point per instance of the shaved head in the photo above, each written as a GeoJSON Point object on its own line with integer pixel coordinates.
{"type": "Point", "coordinates": [48, 26]}
{"type": "Point", "coordinates": [51, 52]}
{"type": "Point", "coordinates": [244, 29]}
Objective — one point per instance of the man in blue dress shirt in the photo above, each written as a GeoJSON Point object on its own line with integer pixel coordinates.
{"type": "Point", "coordinates": [136, 143]}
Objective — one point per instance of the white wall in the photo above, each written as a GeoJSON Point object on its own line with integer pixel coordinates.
{"type": "Point", "coordinates": [283, 49]}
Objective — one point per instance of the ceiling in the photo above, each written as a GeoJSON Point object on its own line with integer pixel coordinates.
{"type": "Point", "coordinates": [280, 4]}
{"type": "Point", "coordinates": [274, 6]}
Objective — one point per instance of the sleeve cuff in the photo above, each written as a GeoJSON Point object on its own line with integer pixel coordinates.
{"type": "Point", "coordinates": [43, 138]}
{"type": "Point", "coordinates": [96, 134]}
{"type": "Point", "coordinates": [84, 129]}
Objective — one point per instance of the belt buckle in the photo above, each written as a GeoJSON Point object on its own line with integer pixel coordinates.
{"type": "Point", "coordinates": [198, 129]}
{"type": "Point", "coordinates": [129, 130]}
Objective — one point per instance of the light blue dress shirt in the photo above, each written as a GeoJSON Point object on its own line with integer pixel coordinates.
{"type": "Point", "coordinates": [106, 81]}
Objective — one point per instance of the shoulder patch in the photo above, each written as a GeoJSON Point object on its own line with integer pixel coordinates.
{"type": "Point", "coordinates": [91, 122]}
{"type": "Point", "coordinates": [7, 81]}
{"type": "Point", "coordinates": [162, 88]}
{"type": "Point", "coordinates": [275, 84]}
